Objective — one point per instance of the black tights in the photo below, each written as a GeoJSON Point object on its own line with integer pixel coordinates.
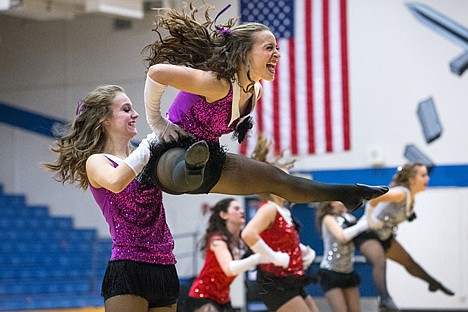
{"type": "Point", "coordinates": [397, 253]}
{"type": "Point", "coordinates": [376, 255]}
{"type": "Point", "coordinates": [245, 176]}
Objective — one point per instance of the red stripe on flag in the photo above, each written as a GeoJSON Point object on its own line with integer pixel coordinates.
{"type": "Point", "coordinates": [344, 75]}
{"type": "Point", "coordinates": [292, 97]}
{"type": "Point", "coordinates": [259, 109]}
{"type": "Point", "coordinates": [276, 112]}
{"type": "Point", "coordinates": [309, 72]}
{"type": "Point", "coordinates": [302, 131]}
{"type": "Point", "coordinates": [326, 76]}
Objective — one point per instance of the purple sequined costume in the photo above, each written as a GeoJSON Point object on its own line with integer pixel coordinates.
{"type": "Point", "coordinates": [137, 223]}
{"type": "Point", "coordinates": [204, 121]}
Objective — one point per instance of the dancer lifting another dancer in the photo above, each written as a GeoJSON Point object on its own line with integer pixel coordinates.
{"type": "Point", "coordinates": [218, 69]}
{"type": "Point", "coordinates": [95, 152]}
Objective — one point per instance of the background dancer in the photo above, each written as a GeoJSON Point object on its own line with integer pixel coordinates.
{"type": "Point", "coordinates": [336, 275]}
{"type": "Point", "coordinates": [392, 209]}
{"type": "Point", "coordinates": [224, 259]}
{"type": "Point", "coordinates": [272, 229]}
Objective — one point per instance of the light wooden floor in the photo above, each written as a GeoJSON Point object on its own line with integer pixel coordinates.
{"type": "Point", "coordinates": [367, 305]}
{"type": "Point", "coordinates": [92, 309]}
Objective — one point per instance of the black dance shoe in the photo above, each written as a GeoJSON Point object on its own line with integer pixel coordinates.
{"type": "Point", "coordinates": [363, 193]}
{"type": "Point", "coordinates": [196, 158]}
{"type": "Point", "coordinates": [438, 286]}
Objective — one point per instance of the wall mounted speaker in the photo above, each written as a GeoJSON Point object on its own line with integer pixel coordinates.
{"type": "Point", "coordinates": [429, 120]}
{"type": "Point", "coordinates": [460, 64]}
{"type": "Point", "coordinates": [413, 154]}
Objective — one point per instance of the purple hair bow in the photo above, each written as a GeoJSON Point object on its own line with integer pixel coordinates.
{"type": "Point", "coordinates": [79, 107]}
{"type": "Point", "coordinates": [224, 32]}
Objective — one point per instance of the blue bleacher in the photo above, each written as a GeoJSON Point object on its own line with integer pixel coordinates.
{"type": "Point", "coordinates": [44, 261]}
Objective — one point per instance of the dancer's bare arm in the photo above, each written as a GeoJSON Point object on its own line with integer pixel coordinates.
{"type": "Point", "coordinates": [190, 80]}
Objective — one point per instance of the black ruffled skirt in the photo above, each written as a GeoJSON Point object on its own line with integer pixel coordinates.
{"type": "Point", "coordinates": [213, 169]}
{"type": "Point", "coordinates": [330, 279]}
{"type": "Point", "coordinates": [157, 283]}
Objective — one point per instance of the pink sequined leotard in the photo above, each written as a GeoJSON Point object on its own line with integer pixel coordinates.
{"type": "Point", "coordinates": [206, 121]}
{"type": "Point", "coordinates": [137, 223]}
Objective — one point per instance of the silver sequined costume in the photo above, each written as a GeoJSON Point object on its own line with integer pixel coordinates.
{"type": "Point", "coordinates": [391, 214]}
{"type": "Point", "coordinates": [337, 256]}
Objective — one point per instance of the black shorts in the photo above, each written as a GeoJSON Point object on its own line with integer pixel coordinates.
{"type": "Point", "coordinates": [276, 291]}
{"type": "Point", "coordinates": [192, 303]}
{"type": "Point", "coordinates": [157, 283]}
{"type": "Point", "coordinates": [213, 167]}
{"type": "Point", "coordinates": [330, 279]}
{"type": "Point", "coordinates": [364, 236]}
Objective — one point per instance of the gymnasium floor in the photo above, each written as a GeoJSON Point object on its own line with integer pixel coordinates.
{"type": "Point", "coordinates": [92, 309]}
{"type": "Point", "coordinates": [367, 305]}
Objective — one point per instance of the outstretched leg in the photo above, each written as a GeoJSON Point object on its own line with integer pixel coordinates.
{"type": "Point", "coordinates": [397, 253]}
{"type": "Point", "coordinates": [246, 176]}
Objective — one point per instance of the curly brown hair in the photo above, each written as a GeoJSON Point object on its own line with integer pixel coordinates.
{"type": "Point", "coordinates": [202, 45]}
{"type": "Point", "coordinates": [83, 137]}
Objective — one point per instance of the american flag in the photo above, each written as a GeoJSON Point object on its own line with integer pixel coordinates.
{"type": "Point", "coordinates": [305, 110]}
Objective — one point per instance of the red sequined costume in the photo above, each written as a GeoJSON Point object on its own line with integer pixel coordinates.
{"type": "Point", "coordinates": [282, 236]}
{"type": "Point", "coordinates": [212, 283]}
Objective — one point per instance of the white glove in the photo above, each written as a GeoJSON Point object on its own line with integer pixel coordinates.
{"type": "Point", "coordinates": [264, 259]}
{"type": "Point", "coordinates": [140, 156]}
{"type": "Point", "coordinates": [354, 230]}
{"type": "Point", "coordinates": [238, 266]}
{"type": "Point", "coordinates": [308, 256]}
{"type": "Point", "coordinates": [165, 130]}
{"type": "Point", "coordinates": [278, 258]}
